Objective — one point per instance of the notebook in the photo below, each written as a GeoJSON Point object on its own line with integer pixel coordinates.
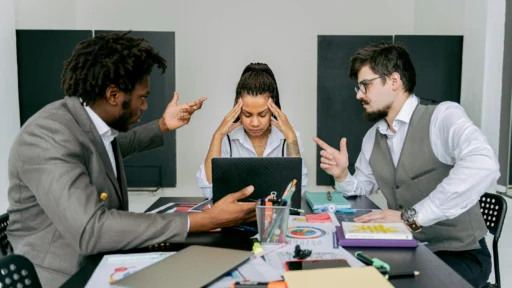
{"type": "Point", "coordinates": [372, 242]}
{"type": "Point", "coordinates": [194, 266]}
{"type": "Point", "coordinates": [360, 277]}
{"type": "Point", "coordinates": [383, 231]}
{"type": "Point", "coordinates": [318, 200]}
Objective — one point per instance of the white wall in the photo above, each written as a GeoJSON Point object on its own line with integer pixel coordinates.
{"type": "Point", "coordinates": [484, 32]}
{"type": "Point", "coordinates": [216, 39]}
{"type": "Point", "coordinates": [9, 111]}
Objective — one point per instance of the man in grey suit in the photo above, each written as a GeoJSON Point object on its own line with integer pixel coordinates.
{"type": "Point", "coordinates": [67, 187]}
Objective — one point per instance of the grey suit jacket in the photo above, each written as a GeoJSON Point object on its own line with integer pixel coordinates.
{"type": "Point", "coordinates": [58, 168]}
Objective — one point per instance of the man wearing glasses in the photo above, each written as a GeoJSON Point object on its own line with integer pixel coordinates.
{"type": "Point", "coordinates": [430, 162]}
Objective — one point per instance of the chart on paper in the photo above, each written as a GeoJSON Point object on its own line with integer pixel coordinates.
{"type": "Point", "coordinates": [315, 236]}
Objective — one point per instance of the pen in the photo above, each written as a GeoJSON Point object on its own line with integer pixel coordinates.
{"type": "Point", "coordinates": [329, 197]}
{"type": "Point", "coordinates": [252, 284]}
{"type": "Point", "coordinates": [248, 228]}
{"type": "Point", "coordinates": [403, 275]}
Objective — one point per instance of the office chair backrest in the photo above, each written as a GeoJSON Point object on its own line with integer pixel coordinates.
{"type": "Point", "coordinates": [5, 246]}
{"type": "Point", "coordinates": [18, 271]}
{"type": "Point", "coordinates": [494, 210]}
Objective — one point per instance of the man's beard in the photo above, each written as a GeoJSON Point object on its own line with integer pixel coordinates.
{"type": "Point", "coordinates": [377, 115]}
{"type": "Point", "coordinates": [122, 123]}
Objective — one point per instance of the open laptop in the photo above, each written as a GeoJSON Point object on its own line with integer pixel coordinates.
{"type": "Point", "coordinates": [266, 174]}
{"type": "Point", "coordinates": [194, 266]}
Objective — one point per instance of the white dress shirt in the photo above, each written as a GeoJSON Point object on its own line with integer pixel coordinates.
{"type": "Point", "coordinates": [241, 146]}
{"type": "Point", "coordinates": [455, 141]}
{"type": "Point", "coordinates": [107, 135]}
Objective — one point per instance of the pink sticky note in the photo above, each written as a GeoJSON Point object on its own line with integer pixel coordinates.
{"type": "Point", "coordinates": [322, 217]}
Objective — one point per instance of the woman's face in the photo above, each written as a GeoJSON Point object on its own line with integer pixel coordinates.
{"type": "Point", "coordinates": [255, 114]}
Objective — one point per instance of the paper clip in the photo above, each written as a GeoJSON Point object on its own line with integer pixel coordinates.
{"type": "Point", "coordinates": [273, 194]}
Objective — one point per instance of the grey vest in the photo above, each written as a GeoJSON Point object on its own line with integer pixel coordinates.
{"type": "Point", "coordinates": [417, 174]}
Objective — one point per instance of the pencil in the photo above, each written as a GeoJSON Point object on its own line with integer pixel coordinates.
{"type": "Point", "coordinates": [404, 275]}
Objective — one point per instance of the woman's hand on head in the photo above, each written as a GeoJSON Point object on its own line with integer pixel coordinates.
{"type": "Point", "coordinates": [282, 123]}
{"type": "Point", "coordinates": [227, 124]}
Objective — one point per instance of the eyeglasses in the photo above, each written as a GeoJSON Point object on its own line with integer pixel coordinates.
{"type": "Point", "coordinates": [363, 85]}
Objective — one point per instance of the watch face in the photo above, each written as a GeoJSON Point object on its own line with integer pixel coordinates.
{"type": "Point", "coordinates": [408, 214]}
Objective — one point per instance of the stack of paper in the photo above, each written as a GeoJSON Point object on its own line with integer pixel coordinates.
{"type": "Point", "coordinates": [362, 277]}
{"type": "Point", "coordinates": [388, 231]}
{"type": "Point", "coordinates": [352, 234]}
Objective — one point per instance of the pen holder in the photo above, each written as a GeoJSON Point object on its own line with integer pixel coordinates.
{"type": "Point", "coordinates": [272, 223]}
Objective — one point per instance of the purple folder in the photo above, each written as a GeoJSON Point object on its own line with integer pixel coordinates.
{"type": "Point", "coordinates": [372, 242]}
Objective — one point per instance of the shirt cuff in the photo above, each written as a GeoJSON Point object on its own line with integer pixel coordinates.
{"type": "Point", "coordinates": [345, 187]}
{"type": "Point", "coordinates": [428, 214]}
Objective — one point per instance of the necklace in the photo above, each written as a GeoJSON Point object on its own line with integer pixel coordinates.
{"type": "Point", "coordinates": [263, 144]}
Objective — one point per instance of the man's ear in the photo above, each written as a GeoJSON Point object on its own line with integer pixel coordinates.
{"type": "Point", "coordinates": [112, 94]}
{"type": "Point", "coordinates": [396, 80]}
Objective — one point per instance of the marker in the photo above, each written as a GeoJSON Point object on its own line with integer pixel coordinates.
{"type": "Point", "coordinates": [252, 284]}
{"type": "Point", "coordinates": [369, 260]}
{"type": "Point", "coordinates": [273, 249]}
{"type": "Point", "coordinates": [298, 210]}
{"type": "Point", "coordinates": [256, 246]}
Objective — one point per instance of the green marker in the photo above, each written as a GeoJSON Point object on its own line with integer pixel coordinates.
{"type": "Point", "coordinates": [368, 260]}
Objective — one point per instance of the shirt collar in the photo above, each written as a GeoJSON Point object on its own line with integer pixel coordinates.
{"type": "Point", "coordinates": [239, 133]}
{"type": "Point", "coordinates": [103, 129]}
{"type": "Point", "coordinates": [403, 116]}
{"type": "Point", "coordinates": [274, 138]}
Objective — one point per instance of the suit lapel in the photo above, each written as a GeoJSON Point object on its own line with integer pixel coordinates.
{"type": "Point", "coordinates": [85, 122]}
{"type": "Point", "coordinates": [120, 174]}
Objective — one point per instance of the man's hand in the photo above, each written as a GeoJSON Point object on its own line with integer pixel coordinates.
{"type": "Point", "coordinates": [226, 212]}
{"type": "Point", "coordinates": [334, 162]}
{"type": "Point", "coordinates": [383, 216]}
{"type": "Point", "coordinates": [176, 116]}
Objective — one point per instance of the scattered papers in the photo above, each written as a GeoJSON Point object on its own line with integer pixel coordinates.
{"type": "Point", "coordinates": [117, 266]}
{"type": "Point", "coordinates": [255, 270]}
{"type": "Point", "coordinates": [278, 258]}
{"type": "Point", "coordinates": [319, 237]}
{"type": "Point", "coordinates": [181, 207]}
{"type": "Point", "coordinates": [314, 236]}
{"type": "Point", "coordinates": [161, 208]}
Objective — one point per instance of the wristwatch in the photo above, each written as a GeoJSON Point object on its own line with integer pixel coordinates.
{"type": "Point", "coordinates": [409, 216]}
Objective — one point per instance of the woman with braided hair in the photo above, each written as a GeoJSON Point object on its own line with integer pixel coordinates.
{"type": "Point", "coordinates": [255, 126]}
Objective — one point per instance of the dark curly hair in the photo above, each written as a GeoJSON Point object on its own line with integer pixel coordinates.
{"type": "Point", "coordinates": [108, 59]}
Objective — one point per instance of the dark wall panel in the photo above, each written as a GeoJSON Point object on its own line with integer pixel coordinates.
{"type": "Point", "coordinates": [41, 55]}
{"type": "Point", "coordinates": [505, 150]}
{"type": "Point", "coordinates": [339, 114]}
{"type": "Point", "coordinates": [438, 63]}
{"type": "Point", "coordinates": [158, 166]}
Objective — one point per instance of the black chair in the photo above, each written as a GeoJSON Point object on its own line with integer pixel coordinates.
{"type": "Point", "coordinates": [18, 271]}
{"type": "Point", "coordinates": [5, 246]}
{"type": "Point", "coordinates": [494, 210]}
